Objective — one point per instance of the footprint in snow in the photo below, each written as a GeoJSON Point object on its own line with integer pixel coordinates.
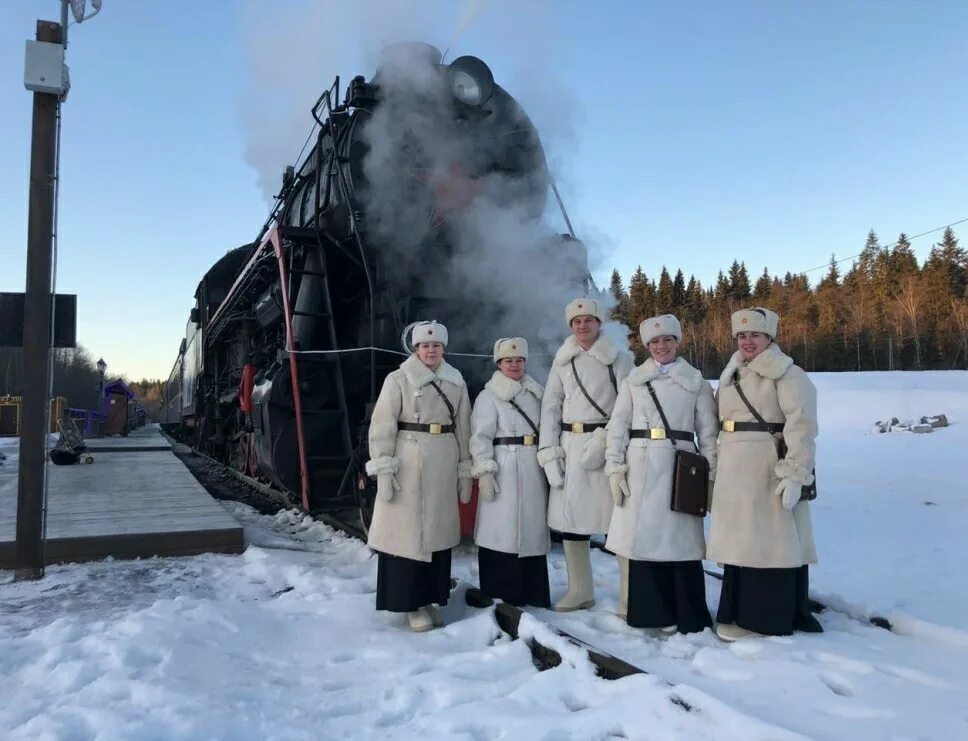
{"type": "Point", "coordinates": [837, 683]}
{"type": "Point", "coordinates": [912, 675]}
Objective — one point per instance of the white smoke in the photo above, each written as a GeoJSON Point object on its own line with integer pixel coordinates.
{"type": "Point", "coordinates": [499, 250]}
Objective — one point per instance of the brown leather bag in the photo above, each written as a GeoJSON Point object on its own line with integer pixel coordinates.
{"type": "Point", "coordinates": [690, 475]}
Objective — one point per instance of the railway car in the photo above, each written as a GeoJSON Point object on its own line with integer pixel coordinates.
{"type": "Point", "coordinates": [424, 195]}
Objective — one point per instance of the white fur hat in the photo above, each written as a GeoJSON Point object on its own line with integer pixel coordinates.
{"type": "Point", "coordinates": [659, 326]}
{"type": "Point", "coordinates": [428, 332]}
{"type": "Point", "coordinates": [756, 319]}
{"type": "Point", "coordinates": [582, 307]}
{"type": "Point", "coordinates": [510, 347]}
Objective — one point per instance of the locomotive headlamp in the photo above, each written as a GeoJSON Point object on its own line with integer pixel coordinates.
{"type": "Point", "coordinates": [471, 81]}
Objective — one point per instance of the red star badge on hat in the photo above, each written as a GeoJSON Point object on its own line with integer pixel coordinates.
{"type": "Point", "coordinates": [514, 347]}
{"type": "Point", "coordinates": [657, 325]}
{"type": "Point", "coordinates": [743, 321]}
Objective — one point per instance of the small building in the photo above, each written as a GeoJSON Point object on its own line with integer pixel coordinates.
{"type": "Point", "coordinates": [118, 404]}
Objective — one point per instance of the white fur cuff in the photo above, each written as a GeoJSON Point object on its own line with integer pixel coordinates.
{"type": "Point", "coordinates": [464, 470]}
{"type": "Point", "coordinates": [382, 465]}
{"type": "Point", "coordinates": [546, 455]}
{"type": "Point", "coordinates": [612, 467]}
{"type": "Point", "coordinates": [789, 469]}
{"type": "Point", "coordinates": [482, 466]}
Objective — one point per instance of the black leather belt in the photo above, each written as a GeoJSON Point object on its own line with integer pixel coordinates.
{"type": "Point", "coordinates": [728, 425]}
{"type": "Point", "coordinates": [580, 427]}
{"type": "Point", "coordinates": [660, 433]}
{"type": "Point", "coordinates": [523, 440]}
{"type": "Point", "coordinates": [433, 428]}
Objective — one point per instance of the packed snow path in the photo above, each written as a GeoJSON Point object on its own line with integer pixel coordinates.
{"type": "Point", "coordinates": [282, 642]}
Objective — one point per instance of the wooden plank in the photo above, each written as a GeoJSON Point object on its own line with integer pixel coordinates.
{"type": "Point", "coordinates": [131, 504]}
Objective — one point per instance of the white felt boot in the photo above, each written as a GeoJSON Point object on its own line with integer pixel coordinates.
{"type": "Point", "coordinates": [420, 620]}
{"type": "Point", "coordinates": [623, 587]}
{"type": "Point", "coordinates": [581, 590]}
{"type": "Point", "coordinates": [729, 632]}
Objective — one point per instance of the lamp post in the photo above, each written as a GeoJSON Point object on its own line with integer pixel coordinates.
{"type": "Point", "coordinates": [101, 367]}
{"type": "Point", "coordinates": [46, 76]}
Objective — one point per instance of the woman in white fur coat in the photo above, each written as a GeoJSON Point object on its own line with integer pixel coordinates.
{"type": "Point", "coordinates": [420, 456]}
{"type": "Point", "coordinates": [572, 450]}
{"type": "Point", "coordinates": [660, 551]}
{"type": "Point", "coordinates": [760, 529]}
{"type": "Point", "coordinates": [511, 530]}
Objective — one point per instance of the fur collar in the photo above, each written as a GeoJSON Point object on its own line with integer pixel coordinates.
{"type": "Point", "coordinates": [505, 388]}
{"type": "Point", "coordinates": [420, 375]}
{"type": "Point", "coordinates": [772, 363]}
{"type": "Point", "coordinates": [681, 372]}
{"type": "Point", "coordinates": [604, 351]}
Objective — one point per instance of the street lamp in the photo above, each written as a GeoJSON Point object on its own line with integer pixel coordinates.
{"type": "Point", "coordinates": [101, 367]}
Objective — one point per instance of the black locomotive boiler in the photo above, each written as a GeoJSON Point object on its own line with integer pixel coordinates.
{"type": "Point", "coordinates": [422, 197]}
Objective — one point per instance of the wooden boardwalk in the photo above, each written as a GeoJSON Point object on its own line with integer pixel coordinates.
{"type": "Point", "coordinates": [127, 504]}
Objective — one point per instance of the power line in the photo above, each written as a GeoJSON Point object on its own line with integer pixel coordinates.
{"type": "Point", "coordinates": [887, 246]}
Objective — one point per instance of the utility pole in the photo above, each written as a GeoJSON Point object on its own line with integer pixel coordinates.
{"type": "Point", "coordinates": [37, 326]}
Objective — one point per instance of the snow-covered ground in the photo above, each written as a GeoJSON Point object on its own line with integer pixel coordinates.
{"type": "Point", "coordinates": [282, 642]}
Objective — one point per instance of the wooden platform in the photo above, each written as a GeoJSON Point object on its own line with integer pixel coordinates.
{"type": "Point", "coordinates": [143, 439]}
{"type": "Point", "coordinates": [125, 505]}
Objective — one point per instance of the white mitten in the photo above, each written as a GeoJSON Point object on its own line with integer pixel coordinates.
{"type": "Point", "coordinates": [555, 473]}
{"type": "Point", "coordinates": [464, 487]}
{"type": "Point", "coordinates": [620, 488]}
{"type": "Point", "coordinates": [386, 485]}
{"type": "Point", "coordinates": [487, 487]}
{"type": "Point", "coordinates": [789, 491]}
{"type": "Point", "coordinates": [593, 453]}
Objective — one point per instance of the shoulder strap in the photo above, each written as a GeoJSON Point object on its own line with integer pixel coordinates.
{"type": "Point", "coordinates": [450, 407]}
{"type": "Point", "coordinates": [746, 401]}
{"type": "Point", "coordinates": [655, 400]}
{"type": "Point", "coordinates": [524, 414]}
{"type": "Point", "coordinates": [584, 391]}
{"type": "Point", "coordinates": [611, 375]}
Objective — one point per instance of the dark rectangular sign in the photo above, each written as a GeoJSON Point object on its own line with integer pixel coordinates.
{"type": "Point", "coordinates": [12, 320]}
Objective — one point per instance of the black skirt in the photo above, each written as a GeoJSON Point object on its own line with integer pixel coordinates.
{"type": "Point", "coordinates": [405, 585]}
{"type": "Point", "coordinates": [517, 581]}
{"type": "Point", "coordinates": [664, 593]}
{"type": "Point", "coordinates": [768, 601]}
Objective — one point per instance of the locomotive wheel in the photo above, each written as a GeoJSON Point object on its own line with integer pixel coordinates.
{"type": "Point", "coordinates": [88, 459]}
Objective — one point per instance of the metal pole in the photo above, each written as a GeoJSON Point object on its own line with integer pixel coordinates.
{"type": "Point", "coordinates": [37, 313]}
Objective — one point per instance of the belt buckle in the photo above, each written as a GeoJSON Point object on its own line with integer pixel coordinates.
{"type": "Point", "coordinates": [578, 427]}
{"type": "Point", "coordinates": [436, 428]}
{"type": "Point", "coordinates": [729, 425]}
{"type": "Point", "coordinates": [529, 440]}
{"type": "Point", "coordinates": [657, 433]}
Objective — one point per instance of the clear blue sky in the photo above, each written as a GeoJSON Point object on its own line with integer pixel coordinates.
{"type": "Point", "coordinates": [685, 134]}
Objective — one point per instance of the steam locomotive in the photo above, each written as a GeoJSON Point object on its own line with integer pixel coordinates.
{"type": "Point", "coordinates": [423, 196]}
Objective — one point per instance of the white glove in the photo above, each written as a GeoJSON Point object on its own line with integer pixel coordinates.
{"type": "Point", "coordinates": [386, 485]}
{"type": "Point", "coordinates": [620, 488]}
{"type": "Point", "coordinates": [464, 487]}
{"type": "Point", "coordinates": [487, 487]}
{"type": "Point", "coordinates": [555, 473]}
{"type": "Point", "coordinates": [789, 491]}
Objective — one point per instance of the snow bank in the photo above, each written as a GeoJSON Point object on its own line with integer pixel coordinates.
{"type": "Point", "coordinates": [282, 642]}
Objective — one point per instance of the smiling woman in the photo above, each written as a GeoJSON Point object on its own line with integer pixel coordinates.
{"type": "Point", "coordinates": [761, 526]}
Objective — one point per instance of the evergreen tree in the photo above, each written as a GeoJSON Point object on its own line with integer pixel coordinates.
{"type": "Point", "coordinates": [678, 292]}
{"type": "Point", "coordinates": [620, 309]}
{"type": "Point", "coordinates": [664, 303]}
{"type": "Point", "coordinates": [641, 298]}
{"type": "Point", "coordinates": [739, 282]}
{"type": "Point", "coordinates": [764, 287]}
